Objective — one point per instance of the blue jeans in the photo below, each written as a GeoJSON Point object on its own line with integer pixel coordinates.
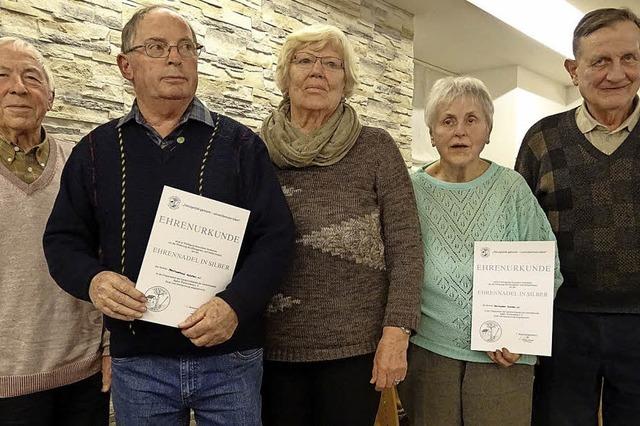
{"type": "Point", "coordinates": [155, 390]}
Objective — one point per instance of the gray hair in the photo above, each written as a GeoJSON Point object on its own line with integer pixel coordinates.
{"type": "Point", "coordinates": [600, 18]}
{"type": "Point", "coordinates": [447, 89]}
{"type": "Point", "coordinates": [129, 29]}
{"type": "Point", "coordinates": [25, 46]}
{"type": "Point", "coordinates": [317, 36]}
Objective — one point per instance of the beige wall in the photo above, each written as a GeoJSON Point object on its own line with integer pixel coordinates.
{"type": "Point", "coordinates": [81, 40]}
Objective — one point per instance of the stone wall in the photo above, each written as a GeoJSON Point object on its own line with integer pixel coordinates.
{"type": "Point", "coordinates": [81, 40]}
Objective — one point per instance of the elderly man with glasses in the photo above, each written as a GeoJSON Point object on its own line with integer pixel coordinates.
{"type": "Point", "coordinates": [101, 222]}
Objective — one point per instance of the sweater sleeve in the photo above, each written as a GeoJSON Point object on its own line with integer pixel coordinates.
{"type": "Point", "coordinates": [70, 239]}
{"type": "Point", "coordinates": [268, 241]}
{"type": "Point", "coordinates": [401, 237]}
{"type": "Point", "coordinates": [533, 224]}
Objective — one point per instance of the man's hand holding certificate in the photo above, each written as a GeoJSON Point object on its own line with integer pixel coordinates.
{"type": "Point", "coordinates": [190, 257]}
{"type": "Point", "coordinates": [513, 289]}
{"type": "Point", "coordinates": [213, 323]}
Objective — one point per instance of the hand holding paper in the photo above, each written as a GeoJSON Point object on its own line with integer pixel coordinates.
{"type": "Point", "coordinates": [503, 357]}
{"type": "Point", "coordinates": [213, 323]}
{"type": "Point", "coordinates": [191, 255]}
{"type": "Point", "coordinates": [116, 296]}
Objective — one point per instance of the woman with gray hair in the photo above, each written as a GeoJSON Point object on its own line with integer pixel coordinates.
{"type": "Point", "coordinates": [340, 326]}
{"type": "Point", "coordinates": [463, 198]}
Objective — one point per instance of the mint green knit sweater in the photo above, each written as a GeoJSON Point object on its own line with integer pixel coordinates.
{"type": "Point", "coordinates": [496, 206]}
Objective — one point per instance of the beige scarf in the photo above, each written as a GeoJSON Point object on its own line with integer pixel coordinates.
{"type": "Point", "coordinates": [289, 147]}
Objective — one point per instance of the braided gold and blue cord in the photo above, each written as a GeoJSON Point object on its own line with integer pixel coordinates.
{"type": "Point", "coordinates": [206, 154]}
{"type": "Point", "coordinates": [123, 191]}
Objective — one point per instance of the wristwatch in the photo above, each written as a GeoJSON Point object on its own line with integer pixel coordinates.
{"type": "Point", "coordinates": [405, 330]}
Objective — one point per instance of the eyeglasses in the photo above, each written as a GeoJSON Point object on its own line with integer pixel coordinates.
{"type": "Point", "coordinates": [307, 61]}
{"type": "Point", "coordinates": [160, 49]}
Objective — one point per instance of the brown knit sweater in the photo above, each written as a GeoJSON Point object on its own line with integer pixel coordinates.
{"type": "Point", "coordinates": [358, 257]}
{"type": "Point", "coordinates": [592, 201]}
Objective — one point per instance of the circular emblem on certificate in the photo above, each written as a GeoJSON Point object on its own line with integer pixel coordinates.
{"type": "Point", "coordinates": [158, 298]}
{"type": "Point", "coordinates": [490, 331]}
{"type": "Point", "coordinates": [485, 252]}
{"type": "Point", "coordinates": [174, 202]}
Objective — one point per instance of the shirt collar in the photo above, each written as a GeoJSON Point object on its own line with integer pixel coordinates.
{"type": "Point", "coordinates": [8, 151]}
{"type": "Point", "coordinates": [195, 111]}
{"type": "Point", "coordinates": [587, 123]}
{"type": "Point", "coordinates": [42, 150]}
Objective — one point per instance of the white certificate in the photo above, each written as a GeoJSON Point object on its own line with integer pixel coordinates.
{"type": "Point", "coordinates": [513, 288]}
{"type": "Point", "coordinates": [191, 254]}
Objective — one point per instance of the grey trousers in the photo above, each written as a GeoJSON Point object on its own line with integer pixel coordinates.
{"type": "Point", "coordinates": [440, 391]}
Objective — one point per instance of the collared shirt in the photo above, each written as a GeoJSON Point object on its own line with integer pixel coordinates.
{"type": "Point", "coordinates": [27, 166]}
{"type": "Point", "coordinates": [599, 135]}
{"type": "Point", "coordinates": [195, 111]}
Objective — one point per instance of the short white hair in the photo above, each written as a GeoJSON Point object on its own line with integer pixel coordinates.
{"type": "Point", "coordinates": [317, 36]}
{"type": "Point", "coordinates": [25, 46]}
{"type": "Point", "coordinates": [447, 89]}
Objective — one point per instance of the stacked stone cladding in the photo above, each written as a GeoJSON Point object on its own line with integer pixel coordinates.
{"type": "Point", "coordinates": [81, 40]}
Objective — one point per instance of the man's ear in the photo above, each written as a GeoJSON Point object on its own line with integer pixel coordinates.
{"type": "Point", "coordinates": [52, 95]}
{"type": "Point", "coordinates": [571, 65]}
{"type": "Point", "coordinates": [125, 67]}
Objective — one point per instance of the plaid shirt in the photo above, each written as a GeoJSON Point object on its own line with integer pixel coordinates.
{"type": "Point", "coordinates": [27, 166]}
{"type": "Point", "coordinates": [195, 111]}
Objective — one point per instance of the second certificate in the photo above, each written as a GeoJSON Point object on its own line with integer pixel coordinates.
{"type": "Point", "coordinates": [513, 296]}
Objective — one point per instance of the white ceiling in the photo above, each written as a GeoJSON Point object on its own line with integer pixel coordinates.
{"type": "Point", "coordinates": [459, 37]}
